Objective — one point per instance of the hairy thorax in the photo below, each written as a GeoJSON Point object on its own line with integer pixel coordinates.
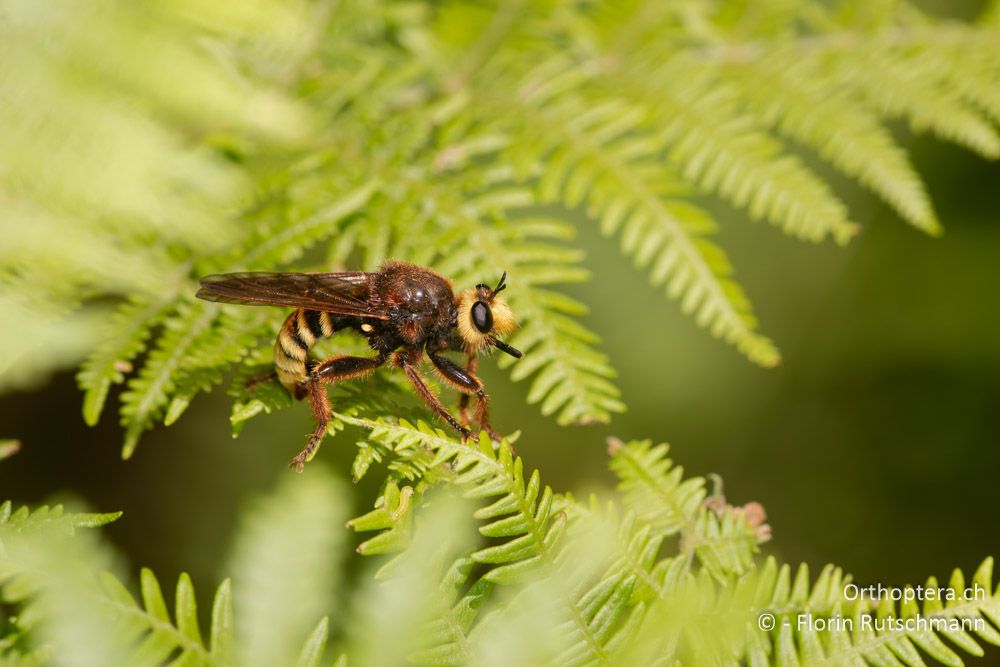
{"type": "Point", "coordinates": [421, 303]}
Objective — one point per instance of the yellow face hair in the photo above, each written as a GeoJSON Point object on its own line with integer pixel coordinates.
{"type": "Point", "coordinates": [482, 318]}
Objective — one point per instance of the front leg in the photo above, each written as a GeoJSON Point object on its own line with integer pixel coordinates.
{"type": "Point", "coordinates": [468, 384]}
{"type": "Point", "coordinates": [463, 398]}
{"type": "Point", "coordinates": [332, 370]}
{"type": "Point", "coordinates": [408, 360]}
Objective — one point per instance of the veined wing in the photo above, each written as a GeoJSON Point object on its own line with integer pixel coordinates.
{"type": "Point", "coordinates": [341, 293]}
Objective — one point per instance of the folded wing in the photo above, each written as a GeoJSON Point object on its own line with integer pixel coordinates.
{"type": "Point", "coordinates": [343, 293]}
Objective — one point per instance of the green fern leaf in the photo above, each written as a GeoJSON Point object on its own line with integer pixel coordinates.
{"type": "Point", "coordinates": [149, 392]}
{"type": "Point", "coordinates": [47, 579]}
{"type": "Point", "coordinates": [393, 515]}
{"type": "Point", "coordinates": [150, 627]}
{"type": "Point", "coordinates": [447, 634]}
{"type": "Point", "coordinates": [24, 520]}
{"type": "Point", "coordinates": [653, 488]}
{"type": "Point", "coordinates": [312, 650]}
{"type": "Point", "coordinates": [626, 187]}
{"type": "Point", "coordinates": [108, 363]}
{"type": "Point", "coordinates": [276, 244]}
{"type": "Point", "coordinates": [282, 575]}
{"type": "Point", "coordinates": [794, 98]}
{"type": "Point", "coordinates": [521, 512]}
{"type": "Point", "coordinates": [865, 635]}
{"type": "Point", "coordinates": [898, 87]}
{"type": "Point", "coordinates": [722, 151]}
{"type": "Point", "coordinates": [221, 638]}
{"type": "Point", "coordinates": [724, 539]}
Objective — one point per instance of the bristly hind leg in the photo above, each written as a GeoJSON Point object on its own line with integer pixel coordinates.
{"type": "Point", "coordinates": [408, 360]}
{"type": "Point", "coordinates": [255, 380]}
{"type": "Point", "coordinates": [468, 384]}
{"type": "Point", "coordinates": [333, 369]}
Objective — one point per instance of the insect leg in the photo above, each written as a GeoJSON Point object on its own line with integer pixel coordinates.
{"type": "Point", "coordinates": [255, 380]}
{"type": "Point", "coordinates": [468, 384]}
{"type": "Point", "coordinates": [463, 398]}
{"type": "Point", "coordinates": [407, 360]}
{"type": "Point", "coordinates": [333, 369]}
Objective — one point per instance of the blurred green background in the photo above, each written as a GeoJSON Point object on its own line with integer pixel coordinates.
{"type": "Point", "coordinates": [874, 446]}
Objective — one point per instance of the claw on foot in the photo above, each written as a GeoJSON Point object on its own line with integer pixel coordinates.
{"type": "Point", "coordinates": [299, 462]}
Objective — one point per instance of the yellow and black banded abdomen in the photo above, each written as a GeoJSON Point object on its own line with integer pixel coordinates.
{"type": "Point", "coordinates": [298, 334]}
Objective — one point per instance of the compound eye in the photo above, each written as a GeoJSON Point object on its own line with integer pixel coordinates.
{"type": "Point", "coordinates": [482, 317]}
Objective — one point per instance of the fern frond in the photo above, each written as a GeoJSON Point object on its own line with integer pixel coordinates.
{"type": "Point", "coordinates": [447, 634]}
{"type": "Point", "coordinates": [638, 552]}
{"type": "Point", "coordinates": [155, 635]}
{"type": "Point", "coordinates": [857, 630]}
{"type": "Point", "coordinates": [576, 614]}
{"type": "Point", "coordinates": [287, 236]}
{"type": "Point", "coordinates": [393, 516]}
{"type": "Point", "coordinates": [108, 363]}
{"type": "Point", "coordinates": [900, 88]}
{"type": "Point", "coordinates": [593, 617]}
{"type": "Point", "coordinates": [25, 520]}
{"type": "Point", "coordinates": [394, 613]}
{"type": "Point", "coordinates": [150, 390]}
{"type": "Point", "coordinates": [47, 572]}
{"type": "Point", "coordinates": [521, 513]}
{"type": "Point", "coordinates": [315, 645]}
{"type": "Point", "coordinates": [876, 634]}
{"type": "Point", "coordinates": [283, 577]}
{"type": "Point", "coordinates": [724, 151]}
{"type": "Point", "coordinates": [652, 487]}
{"type": "Point", "coordinates": [791, 96]}
{"type": "Point", "coordinates": [821, 88]}
{"type": "Point", "coordinates": [589, 617]}
{"type": "Point", "coordinates": [718, 623]}
{"type": "Point", "coordinates": [724, 539]}
{"type": "Point", "coordinates": [228, 341]}
{"type": "Point", "coordinates": [607, 159]}
{"type": "Point", "coordinates": [524, 521]}
{"type": "Point", "coordinates": [72, 618]}
{"type": "Point", "coordinates": [816, 622]}
{"type": "Point", "coordinates": [107, 155]}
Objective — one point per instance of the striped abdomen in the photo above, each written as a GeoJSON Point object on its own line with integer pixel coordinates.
{"type": "Point", "coordinates": [298, 334]}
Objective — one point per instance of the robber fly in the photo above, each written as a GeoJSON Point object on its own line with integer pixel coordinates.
{"type": "Point", "coordinates": [402, 309]}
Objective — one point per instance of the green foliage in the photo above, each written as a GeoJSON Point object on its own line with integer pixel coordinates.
{"type": "Point", "coordinates": [155, 635]}
{"type": "Point", "coordinates": [465, 136]}
{"type": "Point", "coordinates": [46, 518]}
{"type": "Point", "coordinates": [722, 538]}
{"type": "Point", "coordinates": [108, 184]}
{"type": "Point", "coordinates": [284, 569]}
{"type": "Point", "coordinates": [543, 579]}
{"type": "Point", "coordinates": [72, 609]}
